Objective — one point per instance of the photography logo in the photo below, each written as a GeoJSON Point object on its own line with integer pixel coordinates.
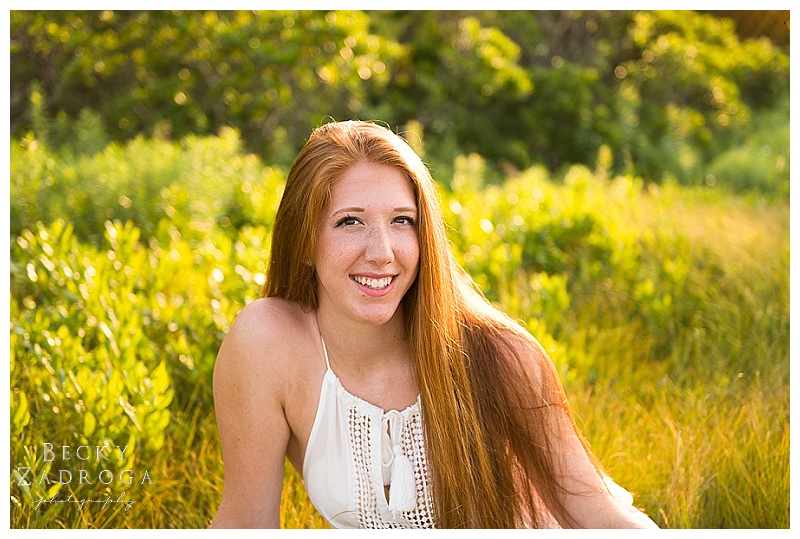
{"type": "Point", "coordinates": [85, 475]}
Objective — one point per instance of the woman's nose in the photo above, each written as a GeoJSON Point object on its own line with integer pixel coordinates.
{"type": "Point", "coordinates": [379, 247]}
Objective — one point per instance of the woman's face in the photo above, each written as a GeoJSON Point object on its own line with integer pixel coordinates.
{"type": "Point", "coordinates": [368, 249]}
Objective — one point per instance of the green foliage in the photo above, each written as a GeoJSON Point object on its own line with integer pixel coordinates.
{"type": "Point", "coordinates": [698, 88]}
{"type": "Point", "coordinates": [111, 341]}
{"type": "Point", "coordinates": [272, 74]}
{"type": "Point", "coordinates": [86, 373]}
{"type": "Point", "coordinates": [667, 91]}
{"type": "Point", "coordinates": [144, 182]}
{"type": "Point", "coordinates": [141, 211]}
{"type": "Point", "coordinates": [760, 162]}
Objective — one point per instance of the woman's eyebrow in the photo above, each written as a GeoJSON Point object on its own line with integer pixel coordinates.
{"type": "Point", "coordinates": [355, 209]}
{"type": "Point", "coordinates": [349, 210]}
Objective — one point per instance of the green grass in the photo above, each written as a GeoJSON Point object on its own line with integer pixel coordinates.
{"type": "Point", "coordinates": [705, 442]}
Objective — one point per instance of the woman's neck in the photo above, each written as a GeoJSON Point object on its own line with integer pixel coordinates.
{"type": "Point", "coordinates": [363, 348]}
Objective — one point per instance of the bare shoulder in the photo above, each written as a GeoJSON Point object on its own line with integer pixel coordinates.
{"type": "Point", "coordinates": [268, 319]}
{"type": "Point", "coordinates": [262, 334]}
{"type": "Point", "coordinates": [255, 365]}
{"type": "Point", "coordinates": [264, 353]}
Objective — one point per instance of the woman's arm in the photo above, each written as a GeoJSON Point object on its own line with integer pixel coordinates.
{"type": "Point", "coordinates": [592, 499]}
{"type": "Point", "coordinates": [253, 430]}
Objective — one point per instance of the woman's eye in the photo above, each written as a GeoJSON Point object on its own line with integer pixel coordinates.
{"type": "Point", "coordinates": [405, 220]}
{"type": "Point", "coordinates": [347, 220]}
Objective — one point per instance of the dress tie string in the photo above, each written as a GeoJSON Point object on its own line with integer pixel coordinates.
{"type": "Point", "coordinates": [397, 470]}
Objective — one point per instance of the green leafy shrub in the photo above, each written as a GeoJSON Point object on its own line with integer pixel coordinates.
{"type": "Point", "coordinates": [191, 184]}
{"type": "Point", "coordinates": [83, 368]}
{"type": "Point", "coordinates": [667, 91]}
{"type": "Point", "coordinates": [761, 162]}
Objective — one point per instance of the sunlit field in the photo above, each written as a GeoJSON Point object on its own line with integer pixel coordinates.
{"type": "Point", "coordinates": [665, 309]}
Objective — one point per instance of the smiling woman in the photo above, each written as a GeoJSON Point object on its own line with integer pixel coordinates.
{"type": "Point", "coordinates": [398, 392]}
{"type": "Point", "coordinates": [367, 251]}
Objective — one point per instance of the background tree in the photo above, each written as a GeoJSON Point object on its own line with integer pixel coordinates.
{"type": "Point", "coordinates": [666, 92]}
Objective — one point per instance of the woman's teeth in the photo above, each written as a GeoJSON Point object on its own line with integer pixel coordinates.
{"type": "Point", "coordinates": [375, 284]}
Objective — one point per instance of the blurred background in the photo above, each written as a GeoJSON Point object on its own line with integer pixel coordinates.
{"type": "Point", "coordinates": [618, 181]}
{"type": "Point", "coordinates": [670, 94]}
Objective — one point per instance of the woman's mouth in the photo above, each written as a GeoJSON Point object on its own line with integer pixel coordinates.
{"type": "Point", "coordinates": [373, 284]}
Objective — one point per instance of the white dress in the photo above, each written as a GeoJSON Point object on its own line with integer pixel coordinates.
{"type": "Point", "coordinates": [355, 449]}
{"type": "Point", "coordinates": [365, 467]}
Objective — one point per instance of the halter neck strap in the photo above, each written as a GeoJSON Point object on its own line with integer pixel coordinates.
{"type": "Point", "coordinates": [325, 349]}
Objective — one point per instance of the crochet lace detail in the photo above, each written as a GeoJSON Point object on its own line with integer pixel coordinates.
{"type": "Point", "coordinates": [361, 427]}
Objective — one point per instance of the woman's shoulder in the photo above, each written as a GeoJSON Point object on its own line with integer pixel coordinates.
{"type": "Point", "coordinates": [519, 351]}
{"type": "Point", "coordinates": [270, 319]}
{"type": "Point", "coordinates": [265, 337]}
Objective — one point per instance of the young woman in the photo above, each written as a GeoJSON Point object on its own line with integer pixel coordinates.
{"type": "Point", "coordinates": [398, 392]}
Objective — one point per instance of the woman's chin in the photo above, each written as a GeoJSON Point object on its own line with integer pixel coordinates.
{"type": "Point", "coordinates": [379, 317]}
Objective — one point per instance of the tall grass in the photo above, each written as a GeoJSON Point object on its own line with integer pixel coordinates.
{"type": "Point", "coordinates": [706, 437]}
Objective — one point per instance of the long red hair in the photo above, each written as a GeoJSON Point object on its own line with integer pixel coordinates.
{"type": "Point", "coordinates": [483, 411]}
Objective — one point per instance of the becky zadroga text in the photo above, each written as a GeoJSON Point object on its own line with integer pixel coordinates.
{"type": "Point", "coordinates": [96, 453]}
